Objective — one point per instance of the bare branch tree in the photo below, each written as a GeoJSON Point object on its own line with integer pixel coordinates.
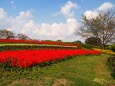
{"type": "Point", "coordinates": [5, 34]}
{"type": "Point", "coordinates": [22, 37]}
{"type": "Point", "coordinates": [102, 27]}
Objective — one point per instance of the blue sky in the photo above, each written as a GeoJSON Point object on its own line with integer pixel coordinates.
{"type": "Point", "coordinates": [49, 19]}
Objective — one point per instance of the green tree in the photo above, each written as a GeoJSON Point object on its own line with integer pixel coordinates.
{"type": "Point", "coordinates": [93, 41]}
{"type": "Point", "coordinates": [78, 41]}
{"type": "Point", "coordinates": [59, 40]}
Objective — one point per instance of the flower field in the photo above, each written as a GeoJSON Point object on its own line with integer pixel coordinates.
{"type": "Point", "coordinates": [11, 44]}
{"type": "Point", "coordinates": [26, 46]}
{"type": "Point", "coordinates": [105, 51]}
{"type": "Point", "coordinates": [37, 42]}
{"type": "Point", "coordinates": [27, 58]}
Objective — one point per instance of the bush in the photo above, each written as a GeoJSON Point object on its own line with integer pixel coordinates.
{"type": "Point", "coordinates": [111, 64]}
{"type": "Point", "coordinates": [93, 41]}
{"type": "Point", "coordinates": [112, 47]}
{"type": "Point", "coordinates": [88, 46]}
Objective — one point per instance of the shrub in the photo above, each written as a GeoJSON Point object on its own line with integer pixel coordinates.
{"type": "Point", "coordinates": [112, 47]}
{"type": "Point", "coordinates": [93, 41]}
{"type": "Point", "coordinates": [111, 64]}
{"type": "Point", "coordinates": [88, 46]}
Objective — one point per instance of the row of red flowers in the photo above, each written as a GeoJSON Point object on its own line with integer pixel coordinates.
{"type": "Point", "coordinates": [27, 58]}
{"type": "Point", "coordinates": [36, 42]}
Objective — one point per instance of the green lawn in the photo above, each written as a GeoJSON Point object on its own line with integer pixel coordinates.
{"type": "Point", "coordinates": [77, 71]}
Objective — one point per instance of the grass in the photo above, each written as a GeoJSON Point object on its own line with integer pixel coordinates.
{"type": "Point", "coordinates": [78, 71]}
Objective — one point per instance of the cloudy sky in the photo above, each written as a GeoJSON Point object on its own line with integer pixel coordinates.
{"type": "Point", "coordinates": [49, 19]}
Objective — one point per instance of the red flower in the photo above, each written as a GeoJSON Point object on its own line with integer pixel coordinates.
{"type": "Point", "coordinates": [27, 58]}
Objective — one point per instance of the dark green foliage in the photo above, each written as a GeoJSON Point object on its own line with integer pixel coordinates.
{"type": "Point", "coordinates": [88, 46]}
{"type": "Point", "coordinates": [78, 41]}
{"type": "Point", "coordinates": [93, 41]}
{"type": "Point", "coordinates": [59, 40]}
{"type": "Point", "coordinates": [17, 47]}
{"type": "Point", "coordinates": [111, 64]}
{"type": "Point", "coordinates": [112, 47]}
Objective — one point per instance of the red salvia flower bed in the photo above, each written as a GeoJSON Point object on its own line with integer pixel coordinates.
{"type": "Point", "coordinates": [27, 58]}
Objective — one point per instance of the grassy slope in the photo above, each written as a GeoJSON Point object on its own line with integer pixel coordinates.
{"type": "Point", "coordinates": [78, 71]}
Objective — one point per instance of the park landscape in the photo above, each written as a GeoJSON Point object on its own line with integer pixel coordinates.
{"type": "Point", "coordinates": [45, 57]}
{"type": "Point", "coordinates": [39, 63]}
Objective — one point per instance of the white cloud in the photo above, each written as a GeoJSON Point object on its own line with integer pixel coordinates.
{"type": "Point", "coordinates": [94, 13]}
{"type": "Point", "coordinates": [106, 6]}
{"type": "Point", "coordinates": [24, 23]}
{"type": "Point", "coordinates": [29, 27]}
{"type": "Point", "coordinates": [19, 22]}
{"type": "Point", "coordinates": [13, 4]}
{"type": "Point", "coordinates": [91, 14]}
{"type": "Point", "coordinates": [59, 29]}
{"type": "Point", "coordinates": [67, 9]}
{"type": "Point", "coordinates": [2, 13]}
{"type": "Point", "coordinates": [23, 15]}
{"type": "Point", "coordinates": [4, 19]}
{"type": "Point", "coordinates": [52, 31]}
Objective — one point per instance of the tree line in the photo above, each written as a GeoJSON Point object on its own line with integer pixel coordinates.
{"type": "Point", "coordinates": [6, 34]}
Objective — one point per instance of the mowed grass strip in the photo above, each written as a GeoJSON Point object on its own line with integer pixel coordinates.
{"type": "Point", "coordinates": [77, 71]}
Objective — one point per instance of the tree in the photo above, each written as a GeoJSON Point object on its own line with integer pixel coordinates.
{"type": "Point", "coordinates": [22, 37]}
{"type": "Point", "coordinates": [101, 27]}
{"type": "Point", "coordinates": [78, 41]}
{"type": "Point", "coordinates": [59, 40]}
{"type": "Point", "coordinates": [93, 41]}
{"type": "Point", "coordinates": [5, 34]}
